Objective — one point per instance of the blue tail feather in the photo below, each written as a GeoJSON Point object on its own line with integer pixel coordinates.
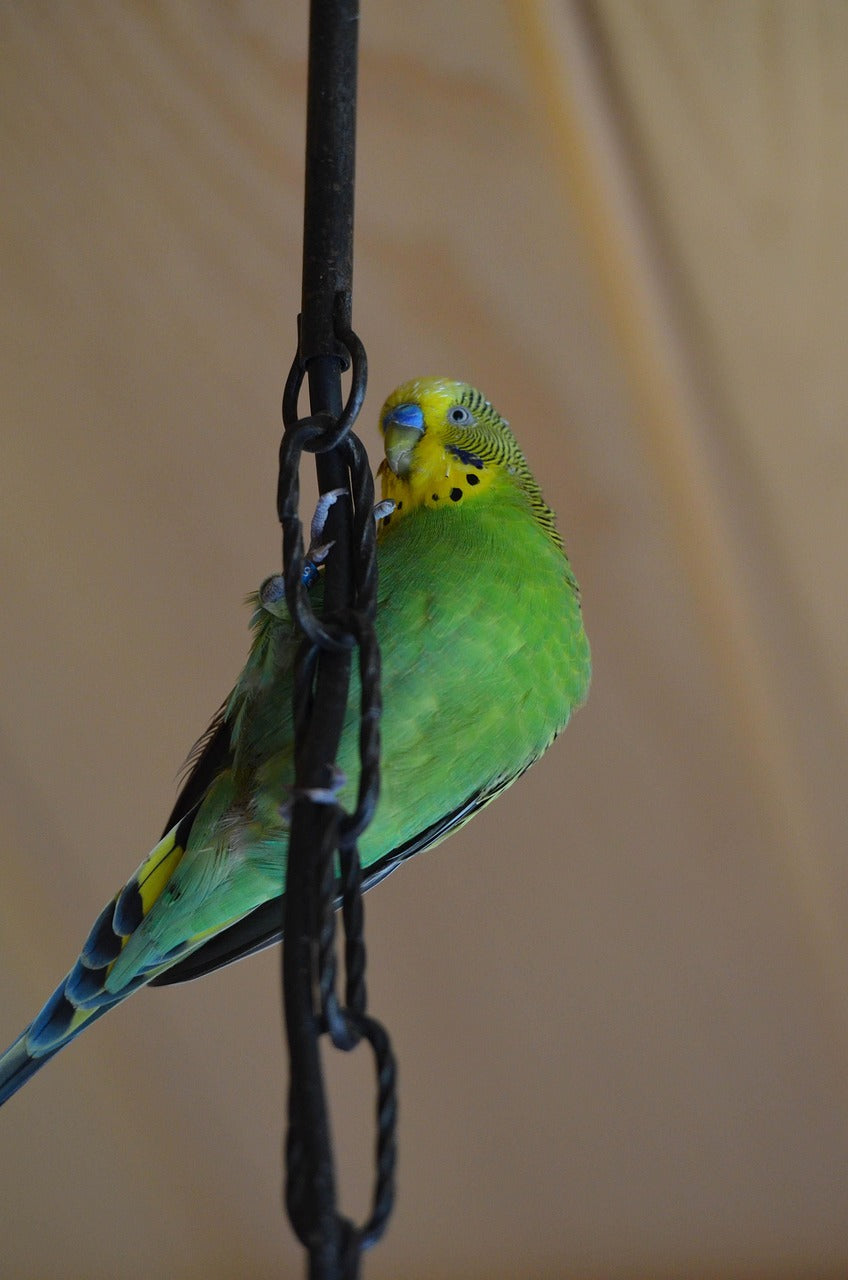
{"type": "Point", "coordinates": [16, 1066]}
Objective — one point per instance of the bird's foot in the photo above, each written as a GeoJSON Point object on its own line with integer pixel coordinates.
{"type": "Point", "coordinates": [318, 551]}
{"type": "Point", "coordinates": [336, 780]}
{"type": "Point", "coordinates": [273, 590]}
{"type": "Point", "coordinates": [319, 519]}
{"type": "Point", "coordinates": [383, 509]}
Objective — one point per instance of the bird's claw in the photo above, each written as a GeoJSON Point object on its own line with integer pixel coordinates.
{"type": "Point", "coordinates": [383, 509]}
{"type": "Point", "coordinates": [327, 794]}
{"type": "Point", "coordinates": [273, 590]}
{"type": "Point", "coordinates": [318, 551]}
{"type": "Point", "coordinates": [325, 501]}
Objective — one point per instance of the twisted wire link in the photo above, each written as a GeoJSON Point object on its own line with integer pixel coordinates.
{"type": "Point", "coordinates": [370, 712]}
{"type": "Point", "coordinates": [356, 997]}
{"type": "Point", "coordinates": [296, 1187]}
{"type": "Point", "coordinates": [336, 867]}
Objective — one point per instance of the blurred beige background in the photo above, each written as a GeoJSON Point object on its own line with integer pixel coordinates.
{"type": "Point", "coordinates": [619, 999]}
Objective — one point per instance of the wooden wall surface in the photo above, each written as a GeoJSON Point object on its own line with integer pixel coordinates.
{"type": "Point", "coordinates": [619, 998]}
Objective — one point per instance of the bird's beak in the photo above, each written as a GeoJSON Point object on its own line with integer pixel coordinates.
{"type": "Point", "coordinates": [403, 427]}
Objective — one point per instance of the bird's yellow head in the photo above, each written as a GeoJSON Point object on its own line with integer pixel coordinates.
{"type": "Point", "coordinates": [446, 446]}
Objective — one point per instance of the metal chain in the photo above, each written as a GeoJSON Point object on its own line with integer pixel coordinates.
{"type": "Point", "coordinates": [336, 868]}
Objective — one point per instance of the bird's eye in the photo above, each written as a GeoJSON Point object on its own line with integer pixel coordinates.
{"type": "Point", "coordinates": [460, 416]}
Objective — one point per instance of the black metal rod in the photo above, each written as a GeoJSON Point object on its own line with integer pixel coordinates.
{"type": "Point", "coordinates": [327, 275]}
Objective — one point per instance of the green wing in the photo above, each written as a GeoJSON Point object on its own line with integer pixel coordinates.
{"type": "Point", "coordinates": [484, 658]}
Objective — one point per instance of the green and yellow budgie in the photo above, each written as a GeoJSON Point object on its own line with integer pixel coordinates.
{"type": "Point", "coordinates": [484, 659]}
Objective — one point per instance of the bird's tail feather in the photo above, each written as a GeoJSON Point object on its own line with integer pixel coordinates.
{"type": "Point", "coordinates": [83, 996]}
{"type": "Point", "coordinates": [17, 1065]}
{"type": "Point", "coordinates": [46, 1035]}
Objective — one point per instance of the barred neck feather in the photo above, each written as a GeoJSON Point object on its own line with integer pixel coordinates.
{"type": "Point", "coordinates": [464, 449]}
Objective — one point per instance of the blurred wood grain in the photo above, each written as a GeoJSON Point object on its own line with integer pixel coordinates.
{"type": "Point", "coordinates": [625, 221]}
